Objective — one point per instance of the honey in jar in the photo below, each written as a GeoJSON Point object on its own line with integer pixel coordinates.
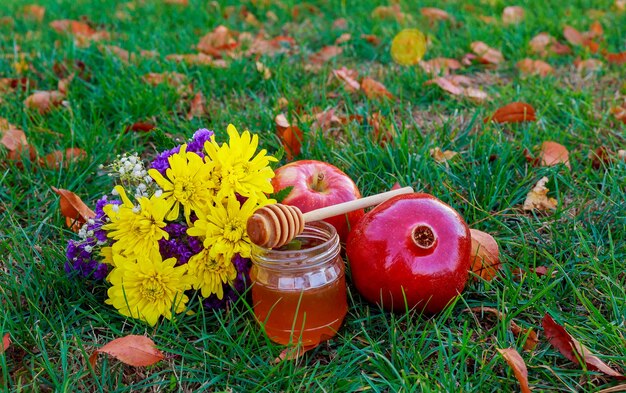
{"type": "Point", "coordinates": [299, 290]}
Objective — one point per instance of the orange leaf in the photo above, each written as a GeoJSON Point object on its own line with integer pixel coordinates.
{"type": "Point", "coordinates": [553, 153]}
{"type": "Point", "coordinates": [74, 210]}
{"type": "Point", "coordinates": [345, 37]}
{"type": "Point", "coordinates": [616, 58]}
{"type": "Point", "coordinates": [439, 65]}
{"type": "Point", "coordinates": [516, 362]}
{"type": "Point", "coordinates": [486, 54]}
{"type": "Point", "coordinates": [388, 12]}
{"type": "Point", "coordinates": [459, 85]}
{"type": "Point", "coordinates": [6, 343]}
{"type": "Point", "coordinates": [294, 353]}
{"type": "Point", "coordinates": [217, 42]}
{"type": "Point", "coordinates": [291, 137]}
{"type": "Point", "coordinates": [534, 67]}
{"type": "Point", "coordinates": [515, 112]}
{"type": "Point", "coordinates": [34, 12]}
{"type": "Point", "coordinates": [537, 198]}
{"type": "Point", "coordinates": [136, 351]}
{"type": "Point", "coordinates": [588, 65]}
{"type": "Point", "coordinates": [281, 121]}
{"type": "Point", "coordinates": [13, 139]}
{"type": "Point", "coordinates": [348, 77]}
{"type": "Point", "coordinates": [44, 101]}
{"type": "Point", "coordinates": [197, 107]}
{"type": "Point", "coordinates": [572, 349]}
{"type": "Point", "coordinates": [540, 43]}
{"type": "Point", "coordinates": [485, 255]}
{"type": "Point", "coordinates": [512, 15]}
{"type": "Point", "coordinates": [442, 156]}
{"type": "Point", "coordinates": [197, 59]}
{"type": "Point", "coordinates": [374, 89]}
{"type": "Point", "coordinates": [371, 38]}
{"type": "Point", "coordinates": [59, 158]}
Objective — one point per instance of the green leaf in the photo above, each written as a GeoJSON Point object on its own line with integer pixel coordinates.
{"type": "Point", "coordinates": [281, 194]}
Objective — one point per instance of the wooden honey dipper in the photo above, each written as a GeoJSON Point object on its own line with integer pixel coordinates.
{"type": "Point", "coordinates": [276, 225]}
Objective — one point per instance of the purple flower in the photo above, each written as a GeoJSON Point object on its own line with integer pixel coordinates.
{"type": "Point", "coordinates": [196, 145]}
{"type": "Point", "coordinates": [80, 259]}
{"type": "Point", "coordinates": [179, 245]}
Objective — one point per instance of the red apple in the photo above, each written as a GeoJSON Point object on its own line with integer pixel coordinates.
{"type": "Point", "coordinates": [411, 250]}
{"type": "Point", "coordinates": [317, 184]}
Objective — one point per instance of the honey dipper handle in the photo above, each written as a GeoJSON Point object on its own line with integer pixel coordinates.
{"type": "Point", "coordinates": [347, 207]}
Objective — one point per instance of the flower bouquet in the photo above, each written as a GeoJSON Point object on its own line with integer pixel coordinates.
{"type": "Point", "coordinates": [184, 228]}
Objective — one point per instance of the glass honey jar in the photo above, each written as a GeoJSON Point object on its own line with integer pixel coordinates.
{"type": "Point", "coordinates": [299, 290]}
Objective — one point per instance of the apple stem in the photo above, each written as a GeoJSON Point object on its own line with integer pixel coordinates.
{"type": "Point", "coordinates": [318, 183]}
{"type": "Point", "coordinates": [423, 236]}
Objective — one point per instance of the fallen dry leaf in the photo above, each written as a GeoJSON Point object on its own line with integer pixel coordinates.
{"type": "Point", "coordinates": [348, 77]}
{"type": "Point", "coordinates": [218, 42]}
{"type": "Point", "coordinates": [539, 271]}
{"type": "Point", "coordinates": [74, 210]}
{"type": "Point", "coordinates": [281, 121]}
{"type": "Point", "coordinates": [573, 36]}
{"type": "Point", "coordinates": [325, 54]}
{"type": "Point", "coordinates": [485, 255]}
{"type": "Point", "coordinates": [136, 351]}
{"type": "Point", "coordinates": [374, 89]}
{"type": "Point", "coordinates": [44, 101]}
{"type": "Point", "coordinates": [614, 389]}
{"type": "Point", "coordinates": [537, 198]}
{"type": "Point", "coordinates": [197, 108]}
{"type": "Point", "coordinates": [620, 5]}
{"type": "Point", "coordinates": [63, 158]}
{"type": "Point", "coordinates": [293, 353]}
{"type": "Point", "coordinates": [271, 47]}
{"type": "Point", "coordinates": [389, 12]}
{"type": "Point", "coordinates": [177, 2]}
{"type": "Point", "coordinates": [442, 157]}
{"type": "Point", "coordinates": [460, 85]}
{"type": "Point", "coordinates": [291, 137]}
{"type": "Point", "coordinates": [589, 65]}
{"type": "Point", "coordinates": [515, 112]}
{"type": "Point", "coordinates": [534, 67]}
{"type": "Point", "coordinates": [439, 65]}
{"type": "Point", "coordinates": [263, 70]}
{"type": "Point", "coordinates": [512, 15]}
{"type": "Point", "coordinates": [573, 350]}
{"type": "Point", "coordinates": [34, 12]}
{"type": "Point", "coordinates": [486, 54]}
{"type": "Point", "coordinates": [516, 363]}
{"type": "Point", "coordinates": [615, 58]}
{"type": "Point", "coordinates": [14, 140]}
{"type": "Point", "coordinates": [371, 38]}
{"type": "Point", "coordinates": [197, 59]}
{"type": "Point", "coordinates": [6, 343]}
{"type": "Point", "coordinates": [345, 37]}
{"type": "Point", "coordinates": [599, 157]}
{"type": "Point", "coordinates": [531, 338]}
{"type": "Point", "coordinates": [82, 32]}
{"type": "Point", "coordinates": [140, 126]}
{"type": "Point", "coordinates": [11, 84]}
{"type": "Point", "coordinates": [553, 153]}
{"type": "Point", "coordinates": [544, 44]}
{"type": "Point", "coordinates": [435, 14]}
{"type": "Point", "coordinates": [175, 80]}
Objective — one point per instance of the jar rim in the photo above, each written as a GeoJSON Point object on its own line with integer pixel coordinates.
{"type": "Point", "coordinates": [307, 257]}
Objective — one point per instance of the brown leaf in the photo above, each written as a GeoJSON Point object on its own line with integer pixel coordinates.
{"type": "Point", "coordinates": [389, 12]}
{"type": "Point", "coordinates": [59, 158]}
{"type": "Point", "coordinates": [374, 89]}
{"type": "Point", "coordinates": [595, 30]}
{"type": "Point", "coordinates": [516, 362]}
{"type": "Point", "coordinates": [6, 343]}
{"type": "Point", "coordinates": [293, 353]}
{"type": "Point", "coordinates": [197, 59]}
{"type": "Point", "coordinates": [348, 77]}
{"type": "Point", "coordinates": [82, 32]}
{"type": "Point", "coordinates": [541, 44]}
{"type": "Point", "coordinates": [573, 36]}
{"type": "Point", "coordinates": [515, 112]}
{"type": "Point", "coordinates": [13, 139]}
{"type": "Point", "coordinates": [11, 84]}
{"type": "Point", "coordinates": [599, 157]}
{"type": "Point", "coordinates": [124, 55]}
{"type": "Point", "coordinates": [281, 121]}
{"type": "Point", "coordinates": [136, 351]}
{"type": "Point", "coordinates": [486, 54]}
{"type": "Point", "coordinates": [537, 198]}
{"type": "Point", "coordinates": [175, 80]}
{"type": "Point", "coordinates": [572, 349]}
{"type": "Point", "coordinates": [218, 42]}
{"type": "Point", "coordinates": [140, 126]}
{"type": "Point", "coordinates": [74, 210]}
{"type": "Point", "coordinates": [459, 85]}
{"type": "Point", "coordinates": [534, 67]}
{"type": "Point", "coordinates": [613, 389]}
{"type": "Point", "coordinates": [553, 153]}
{"type": "Point", "coordinates": [34, 12]}
{"type": "Point", "coordinates": [44, 101]}
{"type": "Point", "coordinates": [485, 255]}
{"type": "Point", "coordinates": [539, 271]}
{"type": "Point", "coordinates": [435, 14]}
{"type": "Point", "coordinates": [512, 15]}
{"type": "Point", "coordinates": [325, 54]}
{"type": "Point", "coordinates": [442, 157]}
{"type": "Point", "coordinates": [531, 336]}
{"type": "Point", "coordinates": [588, 65]}
{"type": "Point", "coordinates": [371, 38]}
{"type": "Point", "coordinates": [272, 47]}
{"type": "Point", "coordinates": [197, 107]}
{"type": "Point", "coordinates": [439, 65]}
{"type": "Point", "coordinates": [345, 37]}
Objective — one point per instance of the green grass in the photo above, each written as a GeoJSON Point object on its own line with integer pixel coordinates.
{"type": "Point", "coordinates": [56, 322]}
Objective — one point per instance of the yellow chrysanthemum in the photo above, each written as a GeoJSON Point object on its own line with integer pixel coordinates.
{"type": "Point", "coordinates": [239, 170]}
{"type": "Point", "coordinates": [208, 273]}
{"type": "Point", "coordinates": [136, 230]}
{"type": "Point", "coordinates": [224, 227]}
{"type": "Point", "coordinates": [148, 288]}
{"type": "Point", "coordinates": [188, 183]}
